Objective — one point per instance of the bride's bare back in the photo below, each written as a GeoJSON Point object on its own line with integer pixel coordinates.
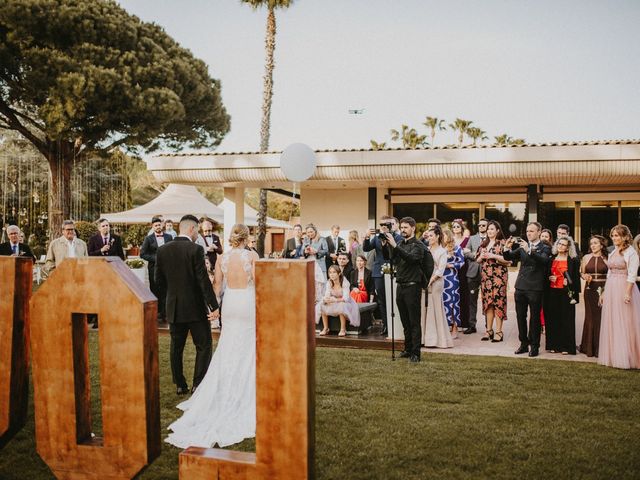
{"type": "Point", "coordinates": [236, 268]}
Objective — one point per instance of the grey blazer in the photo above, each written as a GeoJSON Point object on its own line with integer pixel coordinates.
{"type": "Point", "coordinates": [320, 246]}
{"type": "Point", "coordinates": [473, 267]}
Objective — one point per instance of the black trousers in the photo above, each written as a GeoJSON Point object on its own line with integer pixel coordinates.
{"type": "Point", "coordinates": [474, 290]}
{"type": "Point", "coordinates": [528, 302]}
{"type": "Point", "coordinates": [158, 292]}
{"type": "Point", "coordinates": [408, 300]}
{"type": "Point", "coordinates": [381, 299]}
{"type": "Point", "coordinates": [201, 336]}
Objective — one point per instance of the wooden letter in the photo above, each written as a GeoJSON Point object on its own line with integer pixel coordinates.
{"type": "Point", "coordinates": [285, 390]}
{"type": "Point", "coordinates": [128, 360]}
{"type": "Point", "coordinates": [16, 275]}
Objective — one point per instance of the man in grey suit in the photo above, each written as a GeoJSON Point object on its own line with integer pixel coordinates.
{"type": "Point", "coordinates": [473, 272]}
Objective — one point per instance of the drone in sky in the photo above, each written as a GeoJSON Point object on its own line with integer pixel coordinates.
{"type": "Point", "coordinates": [356, 111]}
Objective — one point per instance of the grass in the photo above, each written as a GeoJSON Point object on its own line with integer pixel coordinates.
{"type": "Point", "coordinates": [449, 417]}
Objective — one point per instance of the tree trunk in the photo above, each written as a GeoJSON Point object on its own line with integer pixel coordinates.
{"type": "Point", "coordinates": [60, 159]}
{"type": "Point", "coordinates": [265, 125]}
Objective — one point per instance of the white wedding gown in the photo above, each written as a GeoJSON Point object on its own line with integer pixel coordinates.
{"type": "Point", "coordinates": [222, 410]}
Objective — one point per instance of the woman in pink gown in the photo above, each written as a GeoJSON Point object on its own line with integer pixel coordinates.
{"type": "Point", "coordinates": [620, 325]}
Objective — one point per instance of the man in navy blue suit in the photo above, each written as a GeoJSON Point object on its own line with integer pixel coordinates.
{"type": "Point", "coordinates": [377, 242]}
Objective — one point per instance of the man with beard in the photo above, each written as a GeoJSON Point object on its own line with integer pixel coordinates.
{"type": "Point", "coordinates": [407, 257]}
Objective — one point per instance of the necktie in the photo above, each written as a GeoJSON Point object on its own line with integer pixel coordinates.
{"type": "Point", "coordinates": [15, 249]}
{"type": "Point", "coordinates": [104, 239]}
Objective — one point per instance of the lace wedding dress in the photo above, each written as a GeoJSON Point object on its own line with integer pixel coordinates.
{"type": "Point", "coordinates": [222, 410]}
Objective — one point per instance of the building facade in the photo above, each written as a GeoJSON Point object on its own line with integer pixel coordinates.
{"type": "Point", "coordinates": [589, 186]}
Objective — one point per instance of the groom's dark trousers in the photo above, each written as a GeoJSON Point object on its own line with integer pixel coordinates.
{"type": "Point", "coordinates": [181, 270]}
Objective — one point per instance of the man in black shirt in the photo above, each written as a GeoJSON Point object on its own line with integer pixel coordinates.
{"type": "Point", "coordinates": [407, 257]}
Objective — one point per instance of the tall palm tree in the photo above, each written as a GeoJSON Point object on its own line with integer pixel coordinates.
{"type": "Point", "coordinates": [409, 137]}
{"type": "Point", "coordinates": [476, 133]}
{"type": "Point", "coordinates": [267, 95]}
{"type": "Point", "coordinates": [433, 124]}
{"type": "Point", "coordinates": [461, 126]}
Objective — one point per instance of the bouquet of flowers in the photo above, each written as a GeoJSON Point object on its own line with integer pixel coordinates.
{"type": "Point", "coordinates": [386, 269]}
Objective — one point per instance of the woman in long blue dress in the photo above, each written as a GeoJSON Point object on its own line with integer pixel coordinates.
{"type": "Point", "coordinates": [451, 295]}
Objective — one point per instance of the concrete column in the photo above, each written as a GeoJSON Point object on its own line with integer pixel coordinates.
{"type": "Point", "coordinates": [577, 234]}
{"type": "Point", "coordinates": [372, 207]}
{"type": "Point", "coordinates": [532, 202]}
{"type": "Point", "coordinates": [233, 211]}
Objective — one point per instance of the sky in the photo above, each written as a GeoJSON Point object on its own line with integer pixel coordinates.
{"type": "Point", "coordinates": [559, 70]}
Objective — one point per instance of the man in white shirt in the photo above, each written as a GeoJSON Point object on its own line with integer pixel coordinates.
{"type": "Point", "coordinates": [66, 246]}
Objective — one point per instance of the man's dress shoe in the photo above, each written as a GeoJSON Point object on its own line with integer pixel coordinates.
{"type": "Point", "coordinates": [533, 352]}
{"type": "Point", "coordinates": [522, 349]}
{"type": "Point", "coordinates": [182, 390]}
{"type": "Point", "coordinates": [405, 355]}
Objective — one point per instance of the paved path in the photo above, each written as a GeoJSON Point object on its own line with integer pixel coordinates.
{"type": "Point", "coordinates": [472, 345]}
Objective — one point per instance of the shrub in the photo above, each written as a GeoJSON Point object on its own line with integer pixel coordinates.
{"type": "Point", "coordinates": [86, 230]}
{"type": "Point", "coordinates": [136, 234]}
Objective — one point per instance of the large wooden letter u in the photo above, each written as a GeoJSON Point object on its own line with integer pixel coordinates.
{"type": "Point", "coordinates": [285, 390]}
{"type": "Point", "coordinates": [129, 382]}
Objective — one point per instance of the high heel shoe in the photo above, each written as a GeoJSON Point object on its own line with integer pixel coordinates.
{"type": "Point", "coordinates": [498, 339]}
{"type": "Point", "coordinates": [343, 333]}
{"type": "Point", "coordinates": [488, 335]}
{"type": "Point", "coordinates": [324, 332]}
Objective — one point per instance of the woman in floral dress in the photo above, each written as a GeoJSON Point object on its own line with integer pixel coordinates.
{"type": "Point", "coordinates": [494, 278]}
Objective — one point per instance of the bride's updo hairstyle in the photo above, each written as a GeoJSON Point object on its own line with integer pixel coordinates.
{"type": "Point", "coordinates": [239, 234]}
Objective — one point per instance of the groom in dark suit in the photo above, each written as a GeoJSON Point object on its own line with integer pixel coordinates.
{"type": "Point", "coordinates": [191, 303]}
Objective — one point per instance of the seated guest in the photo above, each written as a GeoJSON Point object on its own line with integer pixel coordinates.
{"type": "Point", "coordinates": [104, 243]}
{"type": "Point", "coordinates": [362, 285]}
{"type": "Point", "coordinates": [14, 247]}
{"type": "Point", "coordinates": [337, 303]}
{"type": "Point", "coordinates": [594, 273]}
{"type": "Point", "coordinates": [344, 262]}
{"type": "Point", "coordinates": [561, 296]}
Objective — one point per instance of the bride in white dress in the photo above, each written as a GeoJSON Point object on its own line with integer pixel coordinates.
{"type": "Point", "coordinates": [222, 410]}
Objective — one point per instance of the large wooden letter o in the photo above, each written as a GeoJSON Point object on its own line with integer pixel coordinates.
{"type": "Point", "coordinates": [16, 279]}
{"type": "Point", "coordinates": [129, 382]}
{"type": "Point", "coordinates": [285, 376]}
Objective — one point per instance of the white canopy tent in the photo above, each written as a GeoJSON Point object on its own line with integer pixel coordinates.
{"type": "Point", "coordinates": [178, 200]}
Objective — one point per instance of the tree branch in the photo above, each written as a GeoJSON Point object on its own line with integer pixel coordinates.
{"type": "Point", "coordinates": [30, 120]}
{"type": "Point", "coordinates": [14, 124]}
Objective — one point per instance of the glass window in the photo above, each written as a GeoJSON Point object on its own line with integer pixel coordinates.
{"type": "Point", "coordinates": [510, 216]}
{"type": "Point", "coordinates": [552, 214]}
{"type": "Point", "coordinates": [631, 216]}
{"type": "Point", "coordinates": [467, 212]}
{"type": "Point", "coordinates": [596, 218]}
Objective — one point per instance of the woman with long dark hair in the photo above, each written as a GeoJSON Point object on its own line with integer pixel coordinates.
{"type": "Point", "coordinates": [593, 271]}
{"type": "Point", "coordinates": [494, 279]}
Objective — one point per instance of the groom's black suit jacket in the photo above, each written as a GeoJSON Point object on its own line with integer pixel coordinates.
{"type": "Point", "coordinates": [180, 269]}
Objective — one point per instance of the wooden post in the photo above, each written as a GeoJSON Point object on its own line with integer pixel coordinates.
{"type": "Point", "coordinates": [16, 278]}
{"type": "Point", "coordinates": [128, 342]}
{"type": "Point", "coordinates": [285, 390]}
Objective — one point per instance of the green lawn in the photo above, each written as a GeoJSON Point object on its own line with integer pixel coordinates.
{"type": "Point", "coordinates": [447, 417]}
